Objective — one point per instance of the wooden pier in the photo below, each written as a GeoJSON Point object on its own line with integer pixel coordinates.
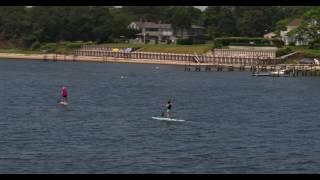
{"type": "Point", "coordinates": [60, 57]}
{"type": "Point", "coordinates": [295, 70]}
{"type": "Point", "coordinates": [186, 58]}
{"type": "Point", "coordinates": [194, 62]}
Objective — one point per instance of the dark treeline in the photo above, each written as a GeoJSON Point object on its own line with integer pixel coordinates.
{"type": "Point", "coordinates": [25, 27]}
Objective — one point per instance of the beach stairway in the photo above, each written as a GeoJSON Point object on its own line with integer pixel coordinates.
{"type": "Point", "coordinates": [196, 58]}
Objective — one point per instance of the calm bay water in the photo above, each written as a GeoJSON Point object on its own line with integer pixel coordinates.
{"type": "Point", "coordinates": [235, 123]}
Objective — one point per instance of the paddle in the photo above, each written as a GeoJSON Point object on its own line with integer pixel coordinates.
{"type": "Point", "coordinates": [59, 99]}
{"type": "Point", "coordinates": [162, 114]}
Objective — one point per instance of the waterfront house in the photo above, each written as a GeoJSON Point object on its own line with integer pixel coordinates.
{"type": "Point", "coordinates": [159, 32]}
{"type": "Point", "coordinates": [270, 35]}
{"type": "Point", "coordinates": [292, 39]}
{"type": "Point", "coordinates": [154, 32]}
{"type": "Point", "coordinates": [188, 33]}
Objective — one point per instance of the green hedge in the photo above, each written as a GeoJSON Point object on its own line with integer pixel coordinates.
{"type": "Point", "coordinates": [219, 42]}
{"type": "Point", "coordinates": [36, 45]}
{"type": "Point", "coordinates": [49, 47]}
{"type": "Point", "coordinates": [62, 47]}
{"type": "Point", "coordinates": [277, 42]}
{"type": "Point", "coordinates": [227, 41]}
{"type": "Point", "coordinates": [314, 45]}
{"type": "Point", "coordinates": [184, 41]}
{"type": "Point", "coordinates": [74, 45]}
{"type": "Point", "coordinates": [199, 40]}
{"type": "Point", "coordinates": [246, 44]}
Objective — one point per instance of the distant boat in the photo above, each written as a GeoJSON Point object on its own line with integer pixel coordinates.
{"type": "Point", "coordinates": [261, 74]}
{"type": "Point", "coordinates": [278, 73]}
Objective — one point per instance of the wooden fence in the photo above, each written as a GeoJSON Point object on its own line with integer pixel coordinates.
{"type": "Point", "coordinates": [187, 58]}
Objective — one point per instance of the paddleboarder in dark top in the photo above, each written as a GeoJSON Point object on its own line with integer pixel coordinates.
{"type": "Point", "coordinates": [168, 105]}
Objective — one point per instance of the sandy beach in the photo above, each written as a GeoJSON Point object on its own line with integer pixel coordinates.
{"type": "Point", "coordinates": [95, 59]}
{"type": "Point", "coordinates": [53, 57]}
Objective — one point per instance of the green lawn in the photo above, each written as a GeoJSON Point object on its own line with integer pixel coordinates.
{"type": "Point", "coordinates": [20, 51]}
{"type": "Point", "coordinates": [166, 48]}
{"type": "Point", "coordinates": [306, 51]}
{"type": "Point", "coordinates": [60, 50]}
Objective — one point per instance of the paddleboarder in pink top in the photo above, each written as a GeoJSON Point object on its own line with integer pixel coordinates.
{"type": "Point", "coordinates": [64, 94]}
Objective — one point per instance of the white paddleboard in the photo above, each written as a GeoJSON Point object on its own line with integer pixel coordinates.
{"type": "Point", "coordinates": [63, 103]}
{"type": "Point", "coordinates": [167, 119]}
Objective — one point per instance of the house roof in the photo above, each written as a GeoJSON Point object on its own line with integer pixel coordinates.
{"type": "Point", "coordinates": [270, 33]}
{"type": "Point", "coordinates": [197, 27]}
{"type": "Point", "coordinates": [152, 25]}
{"type": "Point", "coordinates": [157, 25]}
{"type": "Point", "coordinates": [295, 22]}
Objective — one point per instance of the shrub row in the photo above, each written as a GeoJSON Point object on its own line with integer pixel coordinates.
{"type": "Point", "coordinates": [220, 42]}
{"type": "Point", "coordinates": [61, 46]}
{"type": "Point", "coordinates": [185, 41]}
{"type": "Point", "coordinates": [192, 40]}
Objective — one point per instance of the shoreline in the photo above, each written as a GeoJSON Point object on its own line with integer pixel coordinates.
{"type": "Point", "coordinates": [72, 58]}
{"type": "Point", "coordinates": [95, 59]}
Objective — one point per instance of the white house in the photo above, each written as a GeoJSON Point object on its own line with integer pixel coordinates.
{"type": "Point", "coordinates": [270, 35]}
{"type": "Point", "coordinates": [163, 32]}
{"type": "Point", "coordinates": [292, 39]}
{"type": "Point", "coordinates": [153, 31]}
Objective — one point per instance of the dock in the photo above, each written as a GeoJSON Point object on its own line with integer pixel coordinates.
{"type": "Point", "coordinates": [191, 62]}
{"type": "Point", "coordinates": [294, 70]}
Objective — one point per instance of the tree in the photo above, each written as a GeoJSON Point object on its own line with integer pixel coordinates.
{"type": "Point", "coordinates": [44, 24]}
{"type": "Point", "coordinates": [146, 13]}
{"type": "Point", "coordinates": [101, 23]}
{"type": "Point", "coordinates": [120, 23]}
{"type": "Point", "coordinates": [180, 18]}
{"type": "Point", "coordinates": [13, 23]}
{"type": "Point", "coordinates": [257, 20]}
{"type": "Point", "coordinates": [220, 21]}
{"type": "Point", "coordinates": [310, 27]}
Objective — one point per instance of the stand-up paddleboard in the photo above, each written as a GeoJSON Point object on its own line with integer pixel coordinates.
{"type": "Point", "coordinates": [63, 103]}
{"type": "Point", "coordinates": [167, 119]}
